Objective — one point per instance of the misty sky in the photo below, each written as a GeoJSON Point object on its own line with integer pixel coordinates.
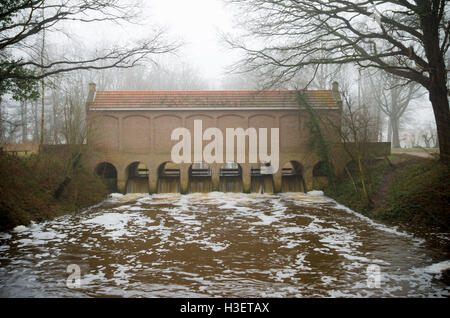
{"type": "Point", "coordinates": [197, 24]}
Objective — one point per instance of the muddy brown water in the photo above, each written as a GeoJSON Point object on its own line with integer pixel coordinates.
{"type": "Point", "coordinates": [217, 244]}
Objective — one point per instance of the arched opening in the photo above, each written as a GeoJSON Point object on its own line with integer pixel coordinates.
{"type": "Point", "coordinates": [320, 175]}
{"type": "Point", "coordinates": [231, 178]}
{"type": "Point", "coordinates": [137, 178]}
{"type": "Point", "coordinates": [262, 178]}
{"type": "Point", "coordinates": [200, 178]}
{"type": "Point", "coordinates": [108, 173]}
{"type": "Point", "coordinates": [169, 178]}
{"type": "Point", "coordinates": [292, 177]}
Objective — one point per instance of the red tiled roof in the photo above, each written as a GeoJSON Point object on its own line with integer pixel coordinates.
{"type": "Point", "coordinates": [199, 99]}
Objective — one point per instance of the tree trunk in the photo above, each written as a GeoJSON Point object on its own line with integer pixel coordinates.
{"type": "Point", "coordinates": [24, 122]}
{"type": "Point", "coordinates": [439, 100]}
{"type": "Point", "coordinates": [395, 133]}
{"type": "Point", "coordinates": [1, 121]}
{"type": "Point", "coordinates": [389, 132]}
{"type": "Point", "coordinates": [438, 84]}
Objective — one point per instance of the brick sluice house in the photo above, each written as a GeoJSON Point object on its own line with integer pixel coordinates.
{"type": "Point", "coordinates": [130, 133]}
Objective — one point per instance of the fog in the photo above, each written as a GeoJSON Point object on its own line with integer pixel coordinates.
{"type": "Point", "coordinates": [202, 59]}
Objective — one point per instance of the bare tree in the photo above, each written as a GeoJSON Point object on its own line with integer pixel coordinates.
{"type": "Point", "coordinates": [406, 38]}
{"type": "Point", "coordinates": [21, 22]}
{"type": "Point", "coordinates": [393, 97]}
{"type": "Point", "coordinates": [176, 76]}
{"type": "Point", "coordinates": [24, 65]}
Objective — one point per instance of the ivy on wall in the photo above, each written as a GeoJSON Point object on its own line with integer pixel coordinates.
{"type": "Point", "coordinates": [317, 140]}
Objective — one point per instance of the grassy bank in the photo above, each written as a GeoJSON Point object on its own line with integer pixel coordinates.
{"type": "Point", "coordinates": [415, 191]}
{"type": "Point", "coordinates": [28, 185]}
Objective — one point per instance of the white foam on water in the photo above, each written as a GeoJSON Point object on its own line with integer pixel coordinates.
{"type": "Point", "coordinates": [310, 197]}
{"type": "Point", "coordinates": [438, 268]}
{"type": "Point", "coordinates": [119, 198]}
{"type": "Point", "coordinates": [214, 246]}
{"type": "Point", "coordinates": [5, 236]}
{"type": "Point", "coordinates": [301, 263]}
{"type": "Point", "coordinates": [116, 196]}
{"type": "Point", "coordinates": [122, 208]}
{"type": "Point", "coordinates": [315, 193]}
{"type": "Point", "coordinates": [119, 225]}
{"type": "Point", "coordinates": [305, 199]}
{"type": "Point", "coordinates": [265, 219]}
{"type": "Point", "coordinates": [377, 225]}
{"type": "Point", "coordinates": [256, 214]}
{"type": "Point", "coordinates": [290, 230]}
{"type": "Point", "coordinates": [45, 235]}
{"type": "Point", "coordinates": [29, 242]}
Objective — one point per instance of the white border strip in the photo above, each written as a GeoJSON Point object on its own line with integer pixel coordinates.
{"type": "Point", "coordinates": [204, 108]}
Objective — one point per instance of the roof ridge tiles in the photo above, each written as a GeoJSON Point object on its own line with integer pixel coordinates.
{"type": "Point", "coordinates": [208, 98]}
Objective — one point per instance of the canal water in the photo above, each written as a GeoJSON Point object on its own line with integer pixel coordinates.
{"type": "Point", "coordinates": [217, 244]}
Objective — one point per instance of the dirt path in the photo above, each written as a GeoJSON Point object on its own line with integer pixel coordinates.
{"type": "Point", "coordinates": [404, 160]}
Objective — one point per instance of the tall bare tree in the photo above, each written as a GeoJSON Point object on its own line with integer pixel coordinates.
{"type": "Point", "coordinates": [393, 97]}
{"type": "Point", "coordinates": [21, 22]}
{"type": "Point", "coordinates": [406, 38]}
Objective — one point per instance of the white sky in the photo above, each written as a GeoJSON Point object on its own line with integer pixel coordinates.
{"type": "Point", "coordinates": [197, 23]}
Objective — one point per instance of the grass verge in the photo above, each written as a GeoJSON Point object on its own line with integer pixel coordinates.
{"type": "Point", "coordinates": [415, 192]}
{"type": "Point", "coordinates": [28, 184]}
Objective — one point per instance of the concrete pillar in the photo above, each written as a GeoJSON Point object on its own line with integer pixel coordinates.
{"type": "Point", "coordinates": [184, 178]}
{"type": "Point", "coordinates": [277, 181]}
{"type": "Point", "coordinates": [246, 177]}
{"type": "Point", "coordinates": [152, 178]}
{"type": "Point", "coordinates": [215, 176]}
{"type": "Point", "coordinates": [122, 185]}
{"type": "Point", "coordinates": [121, 179]}
{"type": "Point", "coordinates": [153, 182]}
{"type": "Point", "coordinates": [308, 177]}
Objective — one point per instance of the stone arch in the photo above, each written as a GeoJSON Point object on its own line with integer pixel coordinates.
{"type": "Point", "coordinates": [200, 177]}
{"type": "Point", "coordinates": [137, 175]}
{"type": "Point", "coordinates": [292, 177]}
{"type": "Point", "coordinates": [273, 117]}
{"type": "Point", "coordinates": [133, 115]}
{"type": "Point", "coordinates": [230, 115]}
{"type": "Point", "coordinates": [320, 175]}
{"type": "Point", "coordinates": [200, 115]}
{"type": "Point", "coordinates": [108, 173]}
{"type": "Point", "coordinates": [319, 169]}
{"type": "Point", "coordinates": [230, 175]}
{"type": "Point", "coordinates": [261, 178]}
{"type": "Point", "coordinates": [169, 178]}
